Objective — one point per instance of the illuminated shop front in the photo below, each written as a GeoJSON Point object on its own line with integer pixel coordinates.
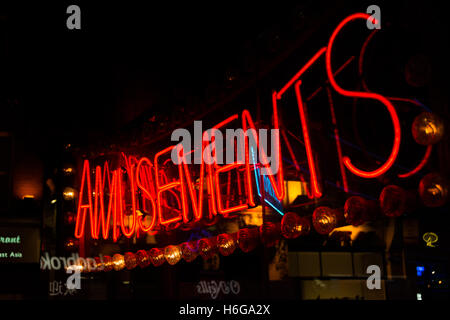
{"type": "Point", "coordinates": [355, 168]}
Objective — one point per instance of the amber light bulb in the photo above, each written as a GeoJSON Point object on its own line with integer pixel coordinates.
{"type": "Point", "coordinates": [294, 226]}
{"type": "Point", "coordinates": [172, 254]}
{"type": "Point", "coordinates": [99, 264]}
{"type": "Point", "coordinates": [71, 244]}
{"type": "Point", "coordinates": [107, 263]}
{"type": "Point", "coordinates": [427, 128]}
{"type": "Point", "coordinates": [156, 256]}
{"type": "Point", "coordinates": [325, 220]}
{"type": "Point", "coordinates": [69, 193]}
{"type": "Point", "coordinates": [207, 247]}
{"type": "Point", "coordinates": [270, 233]}
{"type": "Point", "coordinates": [248, 239]}
{"type": "Point", "coordinates": [226, 243]}
{"type": "Point", "coordinates": [433, 190]}
{"type": "Point", "coordinates": [118, 262]}
{"type": "Point", "coordinates": [393, 201]}
{"type": "Point", "coordinates": [68, 169]}
{"type": "Point", "coordinates": [130, 260]}
{"type": "Point", "coordinates": [356, 210]}
{"type": "Point", "coordinates": [143, 260]}
{"type": "Point", "coordinates": [189, 251]}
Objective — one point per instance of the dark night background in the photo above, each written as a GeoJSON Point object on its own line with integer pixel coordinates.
{"type": "Point", "coordinates": [70, 84]}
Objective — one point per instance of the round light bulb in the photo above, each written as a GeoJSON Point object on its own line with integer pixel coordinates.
{"type": "Point", "coordinates": [248, 239]}
{"type": "Point", "coordinates": [130, 260]}
{"type": "Point", "coordinates": [433, 190]}
{"type": "Point", "coordinates": [269, 233]}
{"type": "Point", "coordinates": [226, 243]}
{"type": "Point", "coordinates": [427, 128]}
{"type": "Point", "coordinates": [156, 256]}
{"type": "Point", "coordinates": [142, 258]}
{"type": "Point", "coordinates": [188, 251]}
{"type": "Point", "coordinates": [118, 262]}
{"type": "Point", "coordinates": [356, 210]}
{"type": "Point", "coordinates": [393, 201]}
{"type": "Point", "coordinates": [172, 254]}
{"type": "Point", "coordinates": [207, 247]}
{"type": "Point", "coordinates": [293, 226]}
{"type": "Point", "coordinates": [324, 220]}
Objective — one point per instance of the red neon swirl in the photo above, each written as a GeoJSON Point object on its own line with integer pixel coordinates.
{"type": "Point", "coordinates": [420, 165]}
{"type": "Point", "coordinates": [426, 156]}
{"type": "Point", "coordinates": [397, 131]}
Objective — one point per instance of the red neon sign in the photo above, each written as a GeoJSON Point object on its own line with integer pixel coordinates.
{"type": "Point", "coordinates": [179, 202]}
{"type": "Point", "coordinates": [396, 123]}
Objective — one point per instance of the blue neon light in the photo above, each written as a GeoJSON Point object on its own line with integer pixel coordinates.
{"type": "Point", "coordinates": [420, 270]}
{"type": "Point", "coordinates": [269, 189]}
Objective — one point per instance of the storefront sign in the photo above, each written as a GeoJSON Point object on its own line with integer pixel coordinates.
{"type": "Point", "coordinates": [142, 195]}
{"type": "Point", "coordinates": [19, 245]}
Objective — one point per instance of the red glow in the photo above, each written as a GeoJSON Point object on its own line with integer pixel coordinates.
{"type": "Point", "coordinates": [315, 189]}
{"type": "Point", "coordinates": [83, 207]}
{"type": "Point", "coordinates": [426, 156]}
{"type": "Point", "coordinates": [127, 233]}
{"type": "Point", "coordinates": [146, 194]}
{"type": "Point", "coordinates": [152, 184]}
{"type": "Point", "coordinates": [96, 214]}
{"type": "Point", "coordinates": [222, 169]}
{"type": "Point", "coordinates": [397, 132]}
{"type": "Point", "coordinates": [99, 200]}
{"type": "Point", "coordinates": [420, 165]}
{"type": "Point", "coordinates": [164, 188]}
{"type": "Point", "coordinates": [197, 206]}
{"type": "Point", "coordinates": [301, 72]}
{"type": "Point", "coordinates": [226, 211]}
